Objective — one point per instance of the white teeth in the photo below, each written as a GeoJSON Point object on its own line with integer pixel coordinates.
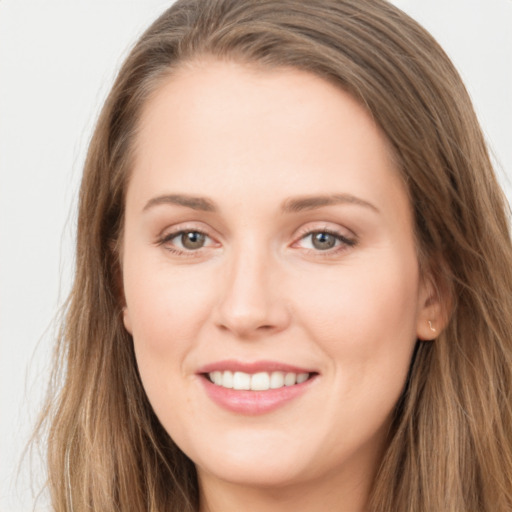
{"type": "Point", "coordinates": [302, 377]}
{"type": "Point", "coordinates": [261, 381]}
{"type": "Point", "coordinates": [226, 380]}
{"type": "Point", "coordinates": [241, 380]}
{"type": "Point", "coordinates": [290, 379]}
{"type": "Point", "coordinates": [276, 380]}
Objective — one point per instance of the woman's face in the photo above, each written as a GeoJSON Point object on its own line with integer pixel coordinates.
{"type": "Point", "coordinates": [268, 244]}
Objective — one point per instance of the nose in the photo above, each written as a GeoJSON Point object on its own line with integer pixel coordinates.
{"type": "Point", "coordinates": [252, 301]}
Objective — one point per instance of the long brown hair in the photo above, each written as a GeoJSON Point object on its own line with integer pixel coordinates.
{"type": "Point", "coordinates": [450, 448]}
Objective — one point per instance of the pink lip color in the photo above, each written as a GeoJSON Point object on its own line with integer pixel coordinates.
{"type": "Point", "coordinates": [252, 402]}
{"type": "Point", "coordinates": [254, 367]}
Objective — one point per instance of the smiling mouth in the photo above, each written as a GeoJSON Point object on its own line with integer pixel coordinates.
{"type": "Point", "coordinates": [261, 381]}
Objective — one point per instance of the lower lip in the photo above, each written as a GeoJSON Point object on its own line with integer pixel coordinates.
{"type": "Point", "coordinates": [254, 402]}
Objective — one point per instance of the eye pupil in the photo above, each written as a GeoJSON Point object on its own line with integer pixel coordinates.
{"type": "Point", "coordinates": [323, 241]}
{"type": "Point", "coordinates": [192, 240]}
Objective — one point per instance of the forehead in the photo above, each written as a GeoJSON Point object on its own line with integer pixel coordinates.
{"type": "Point", "coordinates": [247, 129]}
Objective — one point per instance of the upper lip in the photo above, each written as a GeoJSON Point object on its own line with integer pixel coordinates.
{"type": "Point", "coordinates": [252, 367]}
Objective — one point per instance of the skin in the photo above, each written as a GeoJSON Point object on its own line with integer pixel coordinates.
{"type": "Point", "coordinates": [251, 141]}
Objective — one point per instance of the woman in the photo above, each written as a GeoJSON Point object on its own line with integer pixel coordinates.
{"type": "Point", "coordinates": [293, 275]}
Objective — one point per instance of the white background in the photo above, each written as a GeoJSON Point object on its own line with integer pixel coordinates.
{"type": "Point", "coordinates": [57, 61]}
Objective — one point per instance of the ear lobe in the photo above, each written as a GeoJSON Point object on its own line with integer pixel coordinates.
{"type": "Point", "coordinates": [434, 311]}
{"type": "Point", "coordinates": [127, 320]}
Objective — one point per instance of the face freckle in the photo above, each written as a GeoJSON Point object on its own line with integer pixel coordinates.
{"type": "Point", "coordinates": [256, 292]}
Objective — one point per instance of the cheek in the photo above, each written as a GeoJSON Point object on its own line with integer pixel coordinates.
{"type": "Point", "coordinates": [365, 314]}
{"type": "Point", "coordinates": [166, 312]}
{"type": "Point", "coordinates": [165, 308]}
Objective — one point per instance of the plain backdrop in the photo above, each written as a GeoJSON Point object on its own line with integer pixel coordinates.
{"type": "Point", "coordinates": [57, 61]}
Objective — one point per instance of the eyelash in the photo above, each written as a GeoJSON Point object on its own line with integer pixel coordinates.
{"type": "Point", "coordinates": [191, 253]}
{"type": "Point", "coordinates": [344, 242]}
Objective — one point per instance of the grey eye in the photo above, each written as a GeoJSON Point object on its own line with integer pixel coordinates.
{"type": "Point", "coordinates": [323, 241]}
{"type": "Point", "coordinates": [192, 240]}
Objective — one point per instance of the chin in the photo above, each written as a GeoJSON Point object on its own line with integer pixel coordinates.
{"type": "Point", "coordinates": [271, 462]}
{"type": "Point", "coordinates": [271, 474]}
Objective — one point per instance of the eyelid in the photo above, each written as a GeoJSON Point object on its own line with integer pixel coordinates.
{"type": "Point", "coordinates": [346, 238]}
{"type": "Point", "coordinates": [165, 237]}
{"type": "Point", "coordinates": [324, 227]}
{"type": "Point", "coordinates": [175, 234]}
{"type": "Point", "coordinates": [180, 227]}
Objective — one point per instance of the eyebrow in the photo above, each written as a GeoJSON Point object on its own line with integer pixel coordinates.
{"type": "Point", "coordinates": [293, 205]}
{"type": "Point", "coordinates": [313, 202]}
{"type": "Point", "coordinates": [195, 203]}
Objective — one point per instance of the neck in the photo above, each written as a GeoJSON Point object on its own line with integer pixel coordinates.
{"type": "Point", "coordinates": [348, 494]}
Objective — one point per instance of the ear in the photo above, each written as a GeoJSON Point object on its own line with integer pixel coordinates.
{"type": "Point", "coordinates": [122, 300]}
{"type": "Point", "coordinates": [114, 247]}
{"type": "Point", "coordinates": [434, 309]}
{"type": "Point", "coordinates": [127, 321]}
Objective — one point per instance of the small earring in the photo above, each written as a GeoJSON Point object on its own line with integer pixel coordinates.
{"type": "Point", "coordinates": [433, 329]}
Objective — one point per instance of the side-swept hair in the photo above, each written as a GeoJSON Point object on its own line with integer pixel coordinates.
{"type": "Point", "coordinates": [450, 447]}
